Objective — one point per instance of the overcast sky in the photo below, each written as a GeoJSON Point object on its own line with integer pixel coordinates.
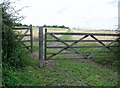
{"type": "Point", "coordinates": [85, 14]}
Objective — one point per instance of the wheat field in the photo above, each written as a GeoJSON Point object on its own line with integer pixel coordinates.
{"type": "Point", "coordinates": [35, 31]}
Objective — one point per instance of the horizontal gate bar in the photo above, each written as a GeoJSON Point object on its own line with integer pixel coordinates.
{"type": "Point", "coordinates": [100, 34]}
{"type": "Point", "coordinates": [26, 46]}
{"type": "Point", "coordinates": [82, 41]}
{"type": "Point", "coordinates": [64, 58]}
{"type": "Point", "coordinates": [23, 35]}
{"type": "Point", "coordinates": [76, 58]}
{"type": "Point", "coordinates": [20, 28]}
{"type": "Point", "coordinates": [26, 40]}
{"type": "Point", "coordinates": [79, 46]}
{"type": "Point", "coordinates": [78, 52]}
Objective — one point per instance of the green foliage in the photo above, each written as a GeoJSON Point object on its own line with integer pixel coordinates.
{"type": "Point", "coordinates": [118, 58]}
{"type": "Point", "coordinates": [13, 55]}
{"type": "Point", "coordinates": [17, 77]}
{"type": "Point", "coordinates": [18, 24]}
{"type": "Point", "coordinates": [11, 47]}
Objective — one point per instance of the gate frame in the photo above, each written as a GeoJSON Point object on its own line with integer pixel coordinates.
{"type": "Point", "coordinates": [24, 35]}
{"type": "Point", "coordinates": [43, 57]}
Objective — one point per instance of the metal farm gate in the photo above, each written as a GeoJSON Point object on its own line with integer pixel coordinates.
{"type": "Point", "coordinates": [103, 43]}
{"type": "Point", "coordinates": [24, 34]}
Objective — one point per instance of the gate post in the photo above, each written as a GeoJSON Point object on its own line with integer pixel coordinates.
{"type": "Point", "coordinates": [45, 47]}
{"type": "Point", "coordinates": [31, 38]}
{"type": "Point", "coordinates": [41, 47]}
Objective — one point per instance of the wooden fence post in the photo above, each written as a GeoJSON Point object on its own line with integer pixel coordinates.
{"type": "Point", "coordinates": [41, 46]}
{"type": "Point", "coordinates": [31, 38]}
{"type": "Point", "coordinates": [45, 47]}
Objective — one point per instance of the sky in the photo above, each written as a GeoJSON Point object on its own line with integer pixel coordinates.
{"type": "Point", "coordinates": [83, 14]}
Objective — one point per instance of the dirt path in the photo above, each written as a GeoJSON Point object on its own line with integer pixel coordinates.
{"type": "Point", "coordinates": [35, 54]}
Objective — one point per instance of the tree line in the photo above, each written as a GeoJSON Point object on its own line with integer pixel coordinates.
{"type": "Point", "coordinates": [51, 26]}
{"type": "Point", "coordinates": [56, 26]}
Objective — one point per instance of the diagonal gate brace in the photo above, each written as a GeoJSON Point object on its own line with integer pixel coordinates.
{"type": "Point", "coordinates": [67, 46]}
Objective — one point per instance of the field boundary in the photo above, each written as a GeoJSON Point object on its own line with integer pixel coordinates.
{"type": "Point", "coordinates": [43, 38]}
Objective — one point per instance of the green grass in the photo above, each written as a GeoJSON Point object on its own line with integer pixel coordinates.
{"type": "Point", "coordinates": [36, 46]}
{"type": "Point", "coordinates": [61, 73]}
{"type": "Point", "coordinates": [64, 73]}
{"type": "Point", "coordinates": [82, 72]}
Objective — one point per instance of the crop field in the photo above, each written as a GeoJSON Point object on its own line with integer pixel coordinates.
{"type": "Point", "coordinates": [36, 32]}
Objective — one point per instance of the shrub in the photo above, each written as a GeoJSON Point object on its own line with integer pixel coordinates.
{"type": "Point", "coordinates": [11, 47]}
{"type": "Point", "coordinates": [13, 55]}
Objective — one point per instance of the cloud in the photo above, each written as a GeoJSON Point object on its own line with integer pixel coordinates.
{"type": "Point", "coordinates": [62, 10]}
{"type": "Point", "coordinates": [92, 14]}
